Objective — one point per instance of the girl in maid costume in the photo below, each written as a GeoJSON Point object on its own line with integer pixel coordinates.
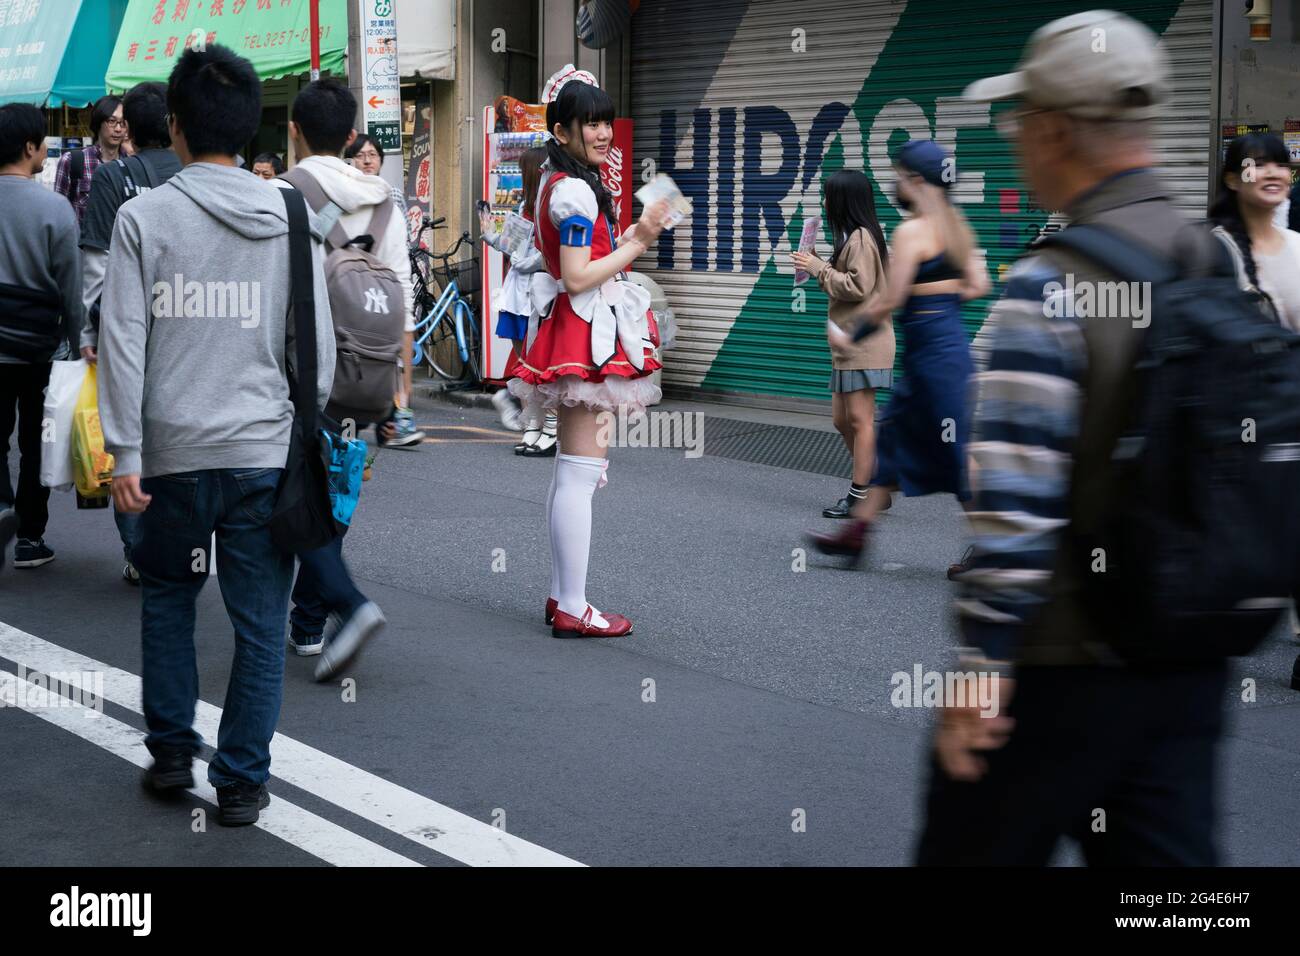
{"type": "Point", "coordinates": [589, 348]}
{"type": "Point", "coordinates": [516, 307]}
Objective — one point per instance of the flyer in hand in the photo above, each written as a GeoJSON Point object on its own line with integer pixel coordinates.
{"type": "Point", "coordinates": [662, 187]}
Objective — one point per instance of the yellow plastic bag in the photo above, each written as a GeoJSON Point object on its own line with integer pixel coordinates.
{"type": "Point", "coordinates": [92, 467]}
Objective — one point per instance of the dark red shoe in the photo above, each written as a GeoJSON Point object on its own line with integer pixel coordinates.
{"type": "Point", "coordinates": [553, 605]}
{"type": "Point", "coordinates": [848, 542]}
{"type": "Point", "coordinates": [566, 625]}
{"type": "Point", "coordinates": [961, 567]}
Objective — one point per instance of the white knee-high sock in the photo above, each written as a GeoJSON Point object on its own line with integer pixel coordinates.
{"type": "Point", "coordinates": [576, 479]}
{"type": "Point", "coordinates": [554, 592]}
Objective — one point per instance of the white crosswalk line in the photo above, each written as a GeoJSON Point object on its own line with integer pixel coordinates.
{"type": "Point", "coordinates": [415, 817]}
{"type": "Point", "coordinates": [318, 836]}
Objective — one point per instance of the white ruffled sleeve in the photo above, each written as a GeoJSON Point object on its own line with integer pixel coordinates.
{"type": "Point", "coordinates": [574, 212]}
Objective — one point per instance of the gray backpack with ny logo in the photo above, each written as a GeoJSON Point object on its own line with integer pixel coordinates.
{"type": "Point", "coordinates": [368, 307]}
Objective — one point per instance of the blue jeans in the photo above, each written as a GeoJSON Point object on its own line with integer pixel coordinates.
{"type": "Point", "coordinates": [128, 529]}
{"type": "Point", "coordinates": [254, 576]}
{"type": "Point", "coordinates": [323, 585]}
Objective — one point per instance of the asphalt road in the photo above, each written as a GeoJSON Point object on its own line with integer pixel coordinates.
{"type": "Point", "coordinates": [753, 696]}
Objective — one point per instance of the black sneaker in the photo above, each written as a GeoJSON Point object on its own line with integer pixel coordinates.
{"type": "Point", "coordinates": [8, 528]}
{"type": "Point", "coordinates": [241, 803]}
{"type": "Point", "coordinates": [840, 509]}
{"type": "Point", "coordinates": [1295, 675]}
{"type": "Point", "coordinates": [31, 554]}
{"type": "Point", "coordinates": [170, 774]}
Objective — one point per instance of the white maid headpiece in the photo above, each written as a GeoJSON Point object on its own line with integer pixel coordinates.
{"type": "Point", "coordinates": [551, 88]}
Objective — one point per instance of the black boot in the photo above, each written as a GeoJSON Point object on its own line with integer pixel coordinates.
{"type": "Point", "coordinates": [841, 509]}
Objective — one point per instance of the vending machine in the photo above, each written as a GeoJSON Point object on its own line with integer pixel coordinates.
{"type": "Point", "coordinates": [512, 127]}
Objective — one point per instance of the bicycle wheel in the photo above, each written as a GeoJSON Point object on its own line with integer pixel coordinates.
{"type": "Point", "coordinates": [442, 351]}
{"type": "Point", "coordinates": [473, 341]}
{"type": "Point", "coordinates": [423, 305]}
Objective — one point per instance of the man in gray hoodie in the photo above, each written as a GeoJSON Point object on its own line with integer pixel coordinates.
{"type": "Point", "coordinates": [194, 399]}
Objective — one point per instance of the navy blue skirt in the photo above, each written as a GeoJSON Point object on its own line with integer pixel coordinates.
{"type": "Point", "coordinates": [921, 440]}
{"type": "Point", "coordinates": [512, 326]}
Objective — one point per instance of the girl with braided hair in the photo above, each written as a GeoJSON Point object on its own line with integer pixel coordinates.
{"type": "Point", "coordinates": [1255, 181]}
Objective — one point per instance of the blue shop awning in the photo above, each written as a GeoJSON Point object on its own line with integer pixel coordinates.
{"type": "Point", "coordinates": [56, 52]}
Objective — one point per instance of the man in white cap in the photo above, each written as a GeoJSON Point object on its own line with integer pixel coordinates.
{"type": "Point", "coordinates": [1119, 757]}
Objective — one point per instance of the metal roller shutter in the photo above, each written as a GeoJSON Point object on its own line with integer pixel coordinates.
{"type": "Point", "coordinates": [747, 105]}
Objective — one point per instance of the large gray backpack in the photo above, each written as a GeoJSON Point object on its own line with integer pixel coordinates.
{"type": "Point", "coordinates": [369, 311]}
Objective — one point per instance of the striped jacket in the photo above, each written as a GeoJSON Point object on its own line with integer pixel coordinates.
{"type": "Point", "coordinates": [1053, 400]}
{"type": "Point", "coordinates": [1026, 419]}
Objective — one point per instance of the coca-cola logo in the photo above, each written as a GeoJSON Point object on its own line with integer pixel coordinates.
{"type": "Point", "coordinates": [613, 172]}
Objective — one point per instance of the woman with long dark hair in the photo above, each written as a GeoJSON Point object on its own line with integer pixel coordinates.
{"type": "Point", "coordinates": [592, 351]}
{"type": "Point", "coordinates": [1253, 185]}
{"type": "Point", "coordinates": [934, 267]}
{"type": "Point", "coordinates": [855, 273]}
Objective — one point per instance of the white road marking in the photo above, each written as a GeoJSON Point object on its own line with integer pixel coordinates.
{"type": "Point", "coordinates": [402, 811]}
{"type": "Point", "coordinates": [318, 836]}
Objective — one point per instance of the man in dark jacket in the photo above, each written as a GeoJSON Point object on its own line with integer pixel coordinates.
{"type": "Point", "coordinates": [40, 319]}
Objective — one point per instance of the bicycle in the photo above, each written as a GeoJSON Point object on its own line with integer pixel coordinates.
{"type": "Point", "coordinates": [447, 336]}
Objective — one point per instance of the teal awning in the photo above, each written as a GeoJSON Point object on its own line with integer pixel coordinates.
{"type": "Point", "coordinates": [85, 61]}
{"type": "Point", "coordinates": [56, 51]}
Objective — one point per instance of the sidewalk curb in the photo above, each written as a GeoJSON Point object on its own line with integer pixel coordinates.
{"type": "Point", "coordinates": [465, 398]}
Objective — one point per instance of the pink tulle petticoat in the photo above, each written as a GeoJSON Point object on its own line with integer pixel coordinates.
{"type": "Point", "coordinates": [614, 393]}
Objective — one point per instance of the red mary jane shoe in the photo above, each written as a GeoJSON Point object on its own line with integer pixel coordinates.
{"type": "Point", "coordinates": [553, 605]}
{"type": "Point", "coordinates": [566, 625]}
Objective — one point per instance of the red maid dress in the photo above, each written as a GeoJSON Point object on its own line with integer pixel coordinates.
{"type": "Point", "coordinates": [595, 348]}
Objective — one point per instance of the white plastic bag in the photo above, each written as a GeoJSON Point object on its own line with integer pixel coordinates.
{"type": "Point", "coordinates": [56, 426]}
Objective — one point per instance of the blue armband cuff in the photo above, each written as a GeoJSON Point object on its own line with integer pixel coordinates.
{"type": "Point", "coordinates": [576, 231]}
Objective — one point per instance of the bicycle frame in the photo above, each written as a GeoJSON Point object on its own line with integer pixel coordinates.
{"type": "Point", "coordinates": [449, 301]}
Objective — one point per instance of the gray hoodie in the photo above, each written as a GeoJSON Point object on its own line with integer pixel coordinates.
{"type": "Point", "coordinates": [193, 327]}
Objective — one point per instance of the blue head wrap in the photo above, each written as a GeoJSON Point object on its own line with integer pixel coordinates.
{"type": "Point", "coordinates": [926, 158]}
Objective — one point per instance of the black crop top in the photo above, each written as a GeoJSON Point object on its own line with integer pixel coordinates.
{"type": "Point", "coordinates": [936, 270]}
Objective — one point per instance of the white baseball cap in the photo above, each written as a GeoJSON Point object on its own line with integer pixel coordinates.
{"type": "Point", "coordinates": [1098, 65]}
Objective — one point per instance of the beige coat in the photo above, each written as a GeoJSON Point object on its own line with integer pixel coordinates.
{"type": "Point", "coordinates": [857, 276]}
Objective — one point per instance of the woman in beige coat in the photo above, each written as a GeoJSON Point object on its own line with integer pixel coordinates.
{"type": "Point", "coordinates": [854, 275]}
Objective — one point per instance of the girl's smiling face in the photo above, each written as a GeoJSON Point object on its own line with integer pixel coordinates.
{"type": "Point", "coordinates": [1262, 184]}
{"type": "Point", "coordinates": [589, 142]}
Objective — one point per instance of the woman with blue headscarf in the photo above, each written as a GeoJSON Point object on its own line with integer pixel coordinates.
{"type": "Point", "coordinates": [933, 267]}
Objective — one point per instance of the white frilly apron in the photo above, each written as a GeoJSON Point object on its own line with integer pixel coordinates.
{"type": "Point", "coordinates": [615, 310]}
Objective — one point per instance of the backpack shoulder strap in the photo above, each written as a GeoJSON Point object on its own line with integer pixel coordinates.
{"type": "Point", "coordinates": [122, 176]}
{"type": "Point", "coordinates": [311, 190]}
{"type": "Point", "coordinates": [76, 168]}
{"type": "Point", "coordinates": [379, 221]}
{"type": "Point", "coordinates": [144, 172]}
{"type": "Point", "coordinates": [1131, 261]}
{"type": "Point", "coordinates": [302, 321]}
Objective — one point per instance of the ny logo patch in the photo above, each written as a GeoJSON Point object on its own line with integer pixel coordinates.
{"type": "Point", "coordinates": [376, 301]}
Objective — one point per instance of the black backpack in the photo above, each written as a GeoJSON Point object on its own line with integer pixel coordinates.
{"type": "Point", "coordinates": [76, 169]}
{"type": "Point", "coordinates": [1202, 539]}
